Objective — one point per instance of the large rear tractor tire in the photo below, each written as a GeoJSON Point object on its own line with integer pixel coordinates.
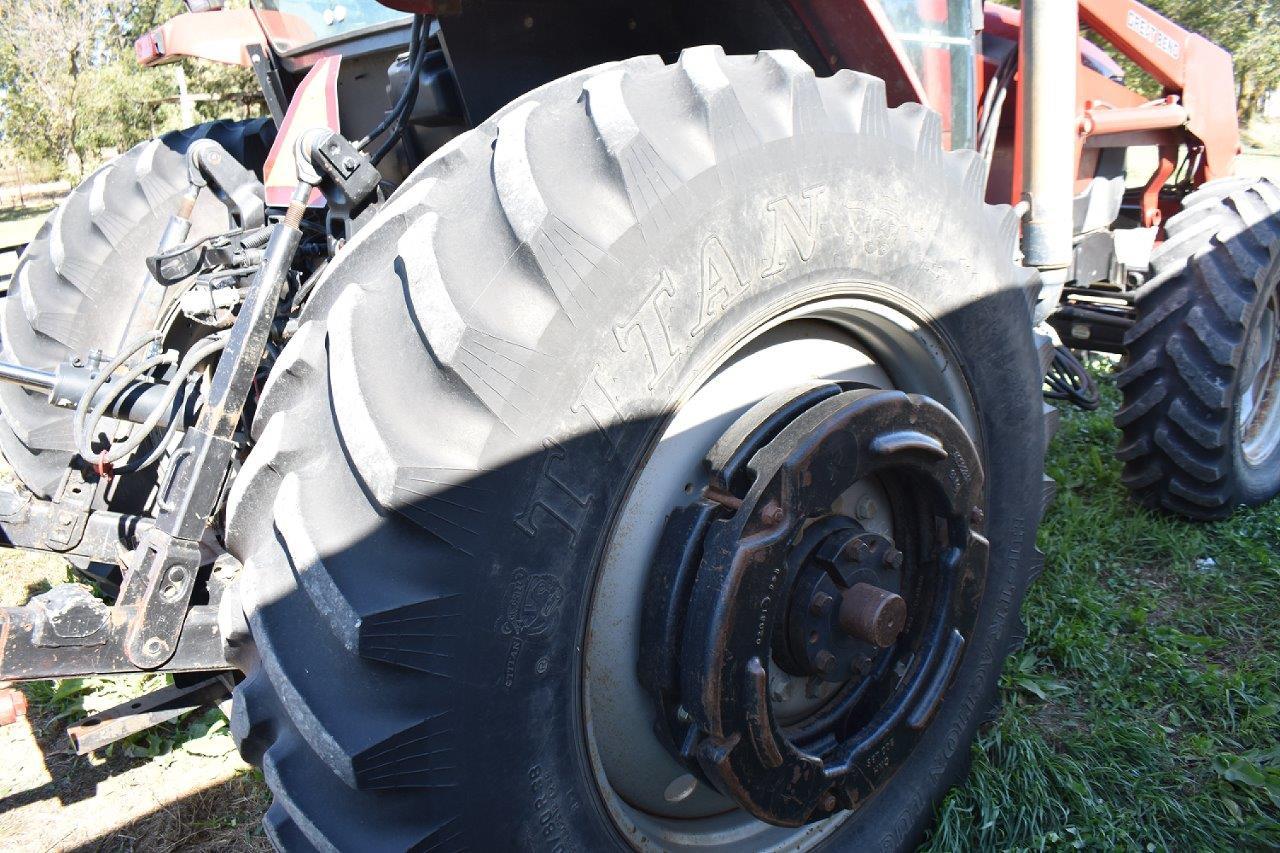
{"type": "Point", "coordinates": [1201, 375]}
{"type": "Point", "coordinates": [76, 285]}
{"type": "Point", "coordinates": [463, 522]}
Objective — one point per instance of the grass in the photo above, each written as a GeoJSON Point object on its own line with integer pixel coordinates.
{"type": "Point", "coordinates": [1144, 711]}
{"type": "Point", "coordinates": [19, 224]}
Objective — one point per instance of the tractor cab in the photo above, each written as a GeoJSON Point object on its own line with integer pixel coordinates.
{"type": "Point", "coordinates": [939, 39]}
{"type": "Point", "coordinates": [296, 26]}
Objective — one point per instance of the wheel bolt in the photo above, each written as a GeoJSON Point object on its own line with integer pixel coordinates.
{"type": "Point", "coordinates": [771, 514]}
{"type": "Point", "coordinates": [857, 549]}
{"type": "Point", "coordinates": [820, 602]}
{"type": "Point", "coordinates": [680, 789]}
{"type": "Point", "coordinates": [824, 661]}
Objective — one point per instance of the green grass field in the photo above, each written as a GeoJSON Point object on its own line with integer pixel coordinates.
{"type": "Point", "coordinates": [1144, 711]}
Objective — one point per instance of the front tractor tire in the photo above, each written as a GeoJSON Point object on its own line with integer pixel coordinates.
{"type": "Point", "coordinates": [552, 346]}
{"type": "Point", "coordinates": [1201, 375]}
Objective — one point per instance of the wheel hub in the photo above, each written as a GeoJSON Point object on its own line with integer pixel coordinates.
{"type": "Point", "coordinates": [763, 580]}
{"type": "Point", "coordinates": [843, 606]}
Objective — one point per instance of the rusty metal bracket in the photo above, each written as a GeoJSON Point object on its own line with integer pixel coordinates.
{"type": "Point", "coordinates": [71, 511]}
{"type": "Point", "coordinates": [28, 522]}
{"type": "Point", "coordinates": [68, 634]}
{"type": "Point", "coordinates": [136, 715]}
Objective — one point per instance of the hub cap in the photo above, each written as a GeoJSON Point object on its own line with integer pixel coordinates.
{"type": "Point", "coordinates": [741, 583]}
{"type": "Point", "coordinates": [658, 796]}
{"type": "Point", "coordinates": [1259, 413]}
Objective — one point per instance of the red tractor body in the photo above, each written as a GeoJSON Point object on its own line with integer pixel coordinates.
{"type": "Point", "coordinates": [940, 53]}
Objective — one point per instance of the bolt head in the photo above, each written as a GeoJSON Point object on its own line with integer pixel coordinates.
{"type": "Point", "coordinates": [893, 558]}
{"type": "Point", "coordinates": [772, 514]}
{"type": "Point", "coordinates": [829, 803]}
{"type": "Point", "coordinates": [680, 789]}
{"type": "Point", "coordinates": [824, 661]}
{"type": "Point", "coordinates": [867, 508]}
{"type": "Point", "coordinates": [819, 603]}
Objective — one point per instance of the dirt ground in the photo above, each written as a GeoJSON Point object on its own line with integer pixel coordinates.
{"type": "Point", "coordinates": [179, 787]}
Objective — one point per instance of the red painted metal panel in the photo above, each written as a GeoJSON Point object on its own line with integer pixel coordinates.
{"type": "Point", "coordinates": [857, 35]}
{"type": "Point", "coordinates": [314, 104]}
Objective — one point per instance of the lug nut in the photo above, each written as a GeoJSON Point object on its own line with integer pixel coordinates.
{"type": "Point", "coordinates": [771, 514]}
{"type": "Point", "coordinates": [824, 661]}
{"type": "Point", "coordinates": [872, 614]}
{"type": "Point", "coordinates": [680, 789]}
{"type": "Point", "coordinates": [820, 602]}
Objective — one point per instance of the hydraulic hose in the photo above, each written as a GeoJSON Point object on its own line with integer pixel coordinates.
{"type": "Point", "coordinates": [118, 451]}
{"type": "Point", "coordinates": [416, 48]}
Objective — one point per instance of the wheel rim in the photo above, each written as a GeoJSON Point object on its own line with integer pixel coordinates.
{"type": "Point", "coordinates": [1259, 412]}
{"type": "Point", "coordinates": [653, 799]}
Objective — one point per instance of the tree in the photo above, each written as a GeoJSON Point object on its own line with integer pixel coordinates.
{"type": "Point", "coordinates": [71, 90]}
{"type": "Point", "coordinates": [1248, 29]}
{"type": "Point", "coordinates": [49, 45]}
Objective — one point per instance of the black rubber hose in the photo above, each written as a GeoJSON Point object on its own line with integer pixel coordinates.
{"type": "Point", "coordinates": [417, 59]}
{"type": "Point", "coordinates": [397, 109]}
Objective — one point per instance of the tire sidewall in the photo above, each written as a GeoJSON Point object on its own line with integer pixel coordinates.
{"type": "Point", "coordinates": [902, 230]}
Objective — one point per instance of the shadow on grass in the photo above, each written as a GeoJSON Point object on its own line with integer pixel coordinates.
{"type": "Point", "coordinates": [17, 214]}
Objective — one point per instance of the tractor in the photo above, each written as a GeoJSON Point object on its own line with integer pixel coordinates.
{"type": "Point", "coordinates": [561, 434]}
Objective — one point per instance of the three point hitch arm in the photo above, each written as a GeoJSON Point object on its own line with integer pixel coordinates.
{"type": "Point", "coordinates": [153, 624]}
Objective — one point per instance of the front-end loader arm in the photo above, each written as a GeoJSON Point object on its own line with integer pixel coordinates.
{"type": "Point", "coordinates": [1189, 66]}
